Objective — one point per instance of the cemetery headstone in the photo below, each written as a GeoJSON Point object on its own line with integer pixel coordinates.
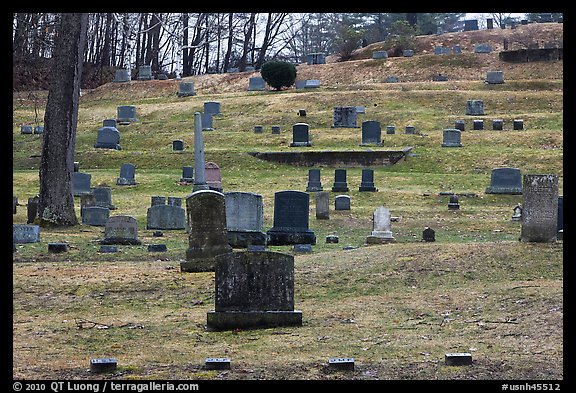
{"type": "Point", "coordinates": [381, 229]}
{"type": "Point", "coordinates": [103, 365]}
{"type": "Point", "coordinates": [428, 235]}
{"type": "Point", "coordinates": [186, 89]}
{"type": "Point", "coordinates": [127, 173]}
{"type": "Point", "coordinates": [505, 181]}
{"type": "Point", "coordinates": [453, 202]}
{"type": "Point", "coordinates": [126, 114]}
{"type": "Point", "coordinates": [451, 138]}
{"type": "Point", "coordinates": [316, 58]}
{"type": "Point", "coordinates": [344, 117]}
{"type": "Point", "coordinates": [489, 23]}
{"type": "Point", "coordinates": [300, 83]}
{"type": "Point", "coordinates": [539, 208]}
{"type": "Point", "coordinates": [312, 84]}
{"type": "Point", "coordinates": [379, 54]}
{"type": "Point", "coordinates": [470, 24]}
{"type": "Point", "coordinates": [256, 83]}
{"type": "Point", "coordinates": [187, 175]}
{"type": "Point", "coordinates": [494, 77]}
{"type": "Point", "coordinates": [392, 79]}
{"type": "Point", "coordinates": [458, 359]}
{"type": "Point", "coordinates": [482, 48]}
{"type": "Point", "coordinates": [26, 129]}
{"type": "Point", "coordinates": [58, 247]}
{"type": "Point", "coordinates": [332, 239]}
{"type": "Point", "coordinates": [475, 107]}
{"type": "Point", "coordinates": [518, 124]}
{"type": "Point", "coordinates": [341, 364]}
{"type": "Point", "coordinates": [477, 124]}
{"type": "Point", "coordinates": [165, 217]}
{"type": "Point", "coordinates": [390, 130]}
{"type": "Point", "coordinates": [244, 296]}
{"type": "Point", "coordinates": [207, 121]}
{"type": "Point", "coordinates": [367, 183]}
{"type": "Point", "coordinates": [32, 209]}
{"type": "Point", "coordinates": [121, 229]}
{"type": "Point", "coordinates": [144, 73]}
{"type": "Point", "coordinates": [103, 197]}
{"type": "Point", "coordinates": [108, 138]}
{"type": "Point", "coordinates": [38, 129]}
{"type": "Point", "coordinates": [208, 233]}
{"type": "Point", "coordinates": [517, 213]}
{"type": "Point", "coordinates": [314, 182]}
{"type": "Point", "coordinates": [109, 123]}
{"type": "Point", "coordinates": [408, 53]}
{"type": "Point", "coordinates": [460, 125]}
{"type": "Point", "coordinates": [323, 205]}
{"type": "Point", "coordinates": [213, 176]}
{"type": "Point", "coordinates": [497, 124]}
{"type": "Point", "coordinates": [342, 202]}
{"type": "Point", "coordinates": [300, 135]}
{"type": "Point", "coordinates": [157, 200]}
{"type": "Point", "coordinates": [22, 234]}
{"type": "Point", "coordinates": [439, 78]}
{"type": "Point", "coordinates": [157, 248]}
{"type": "Point", "coordinates": [122, 75]}
{"type": "Point", "coordinates": [456, 49]}
{"type": "Point", "coordinates": [178, 145]}
{"type": "Point", "coordinates": [258, 129]}
{"type": "Point", "coordinates": [275, 129]}
{"type": "Point", "coordinates": [340, 183]}
{"type": "Point", "coordinates": [291, 214]}
{"type": "Point", "coordinates": [371, 133]}
{"type": "Point", "coordinates": [217, 363]}
{"type": "Point", "coordinates": [410, 130]}
{"type": "Point", "coordinates": [95, 215]}
{"type": "Point", "coordinates": [244, 219]}
{"type": "Point", "coordinates": [81, 183]}
{"type": "Point", "coordinates": [212, 107]}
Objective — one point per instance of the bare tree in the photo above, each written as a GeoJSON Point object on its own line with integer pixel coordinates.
{"type": "Point", "coordinates": [56, 198]}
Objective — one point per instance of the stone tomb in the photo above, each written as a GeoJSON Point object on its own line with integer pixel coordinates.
{"type": "Point", "coordinates": [323, 205]}
{"type": "Point", "coordinates": [25, 233]}
{"type": "Point", "coordinates": [505, 181]}
{"type": "Point", "coordinates": [166, 216]}
{"type": "Point", "coordinates": [245, 219]}
{"type": "Point", "coordinates": [127, 172]}
{"type": "Point", "coordinates": [340, 183]}
{"type": "Point", "coordinates": [539, 208]}
{"type": "Point", "coordinates": [345, 117]}
{"type": "Point", "coordinates": [208, 232]}
{"type": "Point", "coordinates": [254, 289]}
{"type": "Point", "coordinates": [316, 58]}
{"type": "Point", "coordinates": [314, 182]}
{"type": "Point", "coordinates": [81, 183]}
{"type": "Point", "coordinates": [381, 229]}
{"type": "Point", "coordinates": [371, 133]}
{"type": "Point", "coordinates": [126, 114]}
{"type": "Point", "coordinates": [451, 138]}
{"type": "Point", "coordinates": [367, 183]}
{"type": "Point", "coordinates": [108, 138]}
{"type": "Point", "coordinates": [291, 215]}
{"type": "Point", "coordinates": [121, 229]}
{"type": "Point", "coordinates": [300, 135]}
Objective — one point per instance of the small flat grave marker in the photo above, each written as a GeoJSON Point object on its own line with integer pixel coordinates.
{"type": "Point", "coordinates": [343, 364]}
{"type": "Point", "coordinates": [458, 359]}
{"type": "Point", "coordinates": [217, 363]}
{"type": "Point", "coordinates": [57, 247]}
{"type": "Point", "coordinates": [102, 365]}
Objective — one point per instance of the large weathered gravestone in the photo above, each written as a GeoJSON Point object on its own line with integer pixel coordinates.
{"type": "Point", "coordinates": [254, 289]}
{"type": "Point", "coordinates": [108, 138]}
{"type": "Point", "coordinates": [81, 183]}
{"type": "Point", "coordinates": [470, 24]}
{"type": "Point", "coordinates": [103, 197]}
{"type": "Point", "coordinates": [367, 183]}
{"type": "Point", "coordinates": [212, 108]}
{"type": "Point", "coordinates": [371, 133]}
{"type": "Point", "coordinates": [475, 107]}
{"type": "Point", "coordinates": [379, 54]}
{"type": "Point", "coordinates": [539, 208]}
{"type": "Point", "coordinates": [186, 89]}
{"type": "Point", "coordinates": [162, 216]}
{"type": "Point", "coordinates": [345, 117]}
{"type": "Point", "coordinates": [482, 48]}
{"type": "Point", "coordinates": [494, 77]}
{"type": "Point", "coordinates": [121, 229]}
{"type": "Point", "coordinates": [213, 176]}
{"type": "Point", "coordinates": [144, 73]}
{"type": "Point", "coordinates": [122, 75]}
{"type": "Point", "coordinates": [451, 138]}
{"type": "Point", "coordinates": [95, 215]}
{"type": "Point", "coordinates": [291, 211]}
{"type": "Point", "coordinates": [381, 229]}
{"type": "Point", "coordinates": [245, 219]}
{"type": "Point", "coordinates": [342, 202]}
{"type": "Point", "coordinates": [314, 182]}
{"type": "Point", "coordinates": [256, 83]}
{"type": "Point", "coordinates": [323, 205]}
{"type": "Point", "coordinates": [25, 233]}
{"type": "Point", "coordinates": [316, 58]}
{"type": "Point", "coordinates": [126, 114]}
{"type": "Point", "coordinates": [340, 183]}
{"type": "Point", "coordinates": [505, 181]}
{"type": "Point", "coordinates": [300, 135]}
{"type": "Point", "coordinates": [208, 232]}
{"type": "Point", "coordinates": [127, 173]}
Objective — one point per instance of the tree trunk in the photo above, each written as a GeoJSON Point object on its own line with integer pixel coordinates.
{"type": "Point", "coordinates": [229, 42]}
{"type": "Point", "coordinates": [56, 202]}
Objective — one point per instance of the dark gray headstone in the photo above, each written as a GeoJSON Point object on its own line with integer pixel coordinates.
{"type": "Point", "coordinates": [275, 129]}
{"type": "Point", "coordinates": [379, 54]}
{"type": "Point", "coordinates": [470, 24]}
{"type": "Point", "coordinates": [25, 233]}
{"type": "Point", "coordinates": [539, 208]}
{"type": "Point", "coordinates": [291, 215]}
{"type": "Point", "coordinates": [342, 202]}
{"type": "Point", "coordinates": [505, 181]}
{"type": "Point", "coordinates": [126, 114]}
{"type": "Point", "coordinates": [95, 215]}
{"type": "Point", "coordinates": [174, 201]}
{"type": "Point", "coordinates": [58, 247]}
{"type": "Point", "coordinates": [165, 217]}
{"type": "Point", "coordinates": [367, 183]}
{"type": "Point", "coordinates": [482, 48]}
{"type": "Point", "coordinates": [122, 75]}
{"type": "Point", "coordinates": [451, 138]}
{"type": "Point", "coordinates": [109, 123]}
{"type": "Point", "coordinates": [312, 84]}
{"type": "Point", "coordinates": [489, 23]}
{"type": "Point", "coordinates": [341, 364]}
{"type": "Point", "coordinates": [300, 83]}
{"type": "Point", "coordinates": [497, 124]}
{"type": "Point", "coordinates": [258, 129]}
{"type": "Point", "coordinates": [186, 89]}
{"type": "Point", "coordinates": [26, 129]}
{"type": "Point", "coordinates": [217, 363]}
{"type": "Point", "coordinates": [103, 197]}
{"type": "Point", "coordinates": [517, 213]}
{"type": "Point", "coordinates": [157, 200]}
{"type": "Point", "coordinates": [345, 117]}
{"type": "Point", "coordinates": [121, 229]}
{"type": "Point", "coordinates": [332, 239]}
{"type": "Point", "coordinates": [127, 173]}
{"type": "Point", "coordinates": [392, 79]}
{"type": "Point", "coordinates": [494, 77]}
{"type": "Point", "coordinates": [439, 78]}
{"type": "Point", "coordinates": [81, 183]}
{"type": "Point", "coordinates": [187, 174]}
{"type": "Point", "coordinates": [316, 58]}
{"type": "Point", "coordinates": [212, 107]}
{"type": "Point", "coordinates": [38, 129]}
{"type": "Point", "coordinates": [390, 130]}
{"type": "Point", "coordinates": [145, 73]}
{"type": "Point", "coordinates": [314, 182]}
{"type": "Point", "coordinates": [428, 235]}
{"type": "Point", "coordinates": [157, 248]}
{"type": "Point", "coordinates": [256, 83]}
{"type": "Point", "coordinates": [408, 53]}
{"type": "Point", "coordinates": [108, 138]}
{"type": "Point", "coordinates": [107, 248]}
{"type": "Point", "coordinates": [371, 133]}
{"type": "Point", "coordinates": [460, 125]}
{"type": "Point", "coordinates": [207, 121]}
{"type": "Point", "coordinates": [477, 124]}
{"type": "Point", "coordinates": [323, 205]}
{"type": "Point", "coordinates": [340, 183]}
{"type": "Point", "coordinates": [208, 233]}
{"type": "Point", "coordinates": [410, 130]}
{"type": "Point", "coordinates": [453, 202]}
{"type": "Point", "coordinates": [518, 124]}
{"type": "Point", "coordinates": [300, 135]}
{"type": "Point", "coordinates": [245, 219]}
{"type": "Point", "coordinates": [458, 359]}
{"type": "Point", "coordinates": [102, 365]}
{"type": "Point", "coordinates": [32, 209]}
{"type": "Point", "coordinates": [475, 107]}
{"type": "Point", "coordinates": [244, 296]}
{"type": "Point", "coordinates": [178, 145]}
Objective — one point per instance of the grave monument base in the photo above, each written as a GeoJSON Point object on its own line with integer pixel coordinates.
{"type": "Point", "coordinates": [243, 239]}
{"type": "Point", "coordinates": [300, 144]}
{"type": "Point", "coordinates": [380, 239]}
{"type": "Point", "coordinates": [119, 240]}
{"type": "Point", "coordinates": [198, 265]}
{"type": "Point", "coordinates": [228, 320]}
{"type": "Point", "coordinates": [504, 190]}
{"type": "Point", "coordinates": [284, 238]}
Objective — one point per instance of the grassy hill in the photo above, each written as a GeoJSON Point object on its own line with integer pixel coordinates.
{"type": "Point", "coordinates": [397, 308]}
